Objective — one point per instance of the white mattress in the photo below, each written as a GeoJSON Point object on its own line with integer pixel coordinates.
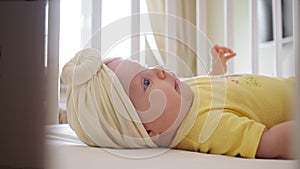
{"type": "Point", "coordinates": [66, 151]}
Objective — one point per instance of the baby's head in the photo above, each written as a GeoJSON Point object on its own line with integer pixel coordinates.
{"type": "Point", "coordinates": [114, 102]}
{"type": "Point", "coordinates": [159, 97]}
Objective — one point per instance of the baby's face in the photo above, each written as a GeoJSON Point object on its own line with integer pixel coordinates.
{"type": "Point", "coordinates": [160, 98]}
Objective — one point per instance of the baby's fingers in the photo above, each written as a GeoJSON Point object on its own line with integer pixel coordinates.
{"type": "Point", "coordinates": [221, 53]}
{"type": "Point", "coordinates": [227, 50]}
{"type": "Point", "coordinates": [229, 56]}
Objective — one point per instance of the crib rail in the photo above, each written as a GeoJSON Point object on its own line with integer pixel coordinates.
{"type": "Point", "coordinates": [229, 36]}
{"type": "Point", "coordinates": [201, 23]}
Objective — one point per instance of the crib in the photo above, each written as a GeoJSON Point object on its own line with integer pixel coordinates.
{"type": "Point", "coordinates": [65, 150]}
{"type": "Point", "coordinates": [29, 74]}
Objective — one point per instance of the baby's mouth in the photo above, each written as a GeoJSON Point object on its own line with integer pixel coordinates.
{"type": "Point", "coordinates": [177, 83]}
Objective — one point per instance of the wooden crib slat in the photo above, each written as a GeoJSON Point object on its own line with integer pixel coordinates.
{"type": "Point", "coordinates": [229, 29]}
{"type": "Point", "coordinates": [277, 34]}
{"type": "Point", "coordinates": [135, 29]}
{"type": "Point", "coordinates": [254, 36]}
{"type": "Point", "coordinates": [201, 24]}
{"type": "Point", "coordinates": [171, 44]}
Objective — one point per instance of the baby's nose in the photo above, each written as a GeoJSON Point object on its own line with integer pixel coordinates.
{"type": "Point", "coordinates": [160, 72]}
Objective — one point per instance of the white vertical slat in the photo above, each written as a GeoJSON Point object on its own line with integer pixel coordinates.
{"type": "Point", "coordinates": [96, 23]}
{"type": "Point", "coordinates": [155, 50]}
{"type": "Point", "coordinates": [201, 24]}
{"type": "Point", "coordinates": [143, 21]}
{"type": "Point", "coordinates": [86, 23]}
{"type": "Point", "coordinates": [254, 35]}
{"type": "Point", "coordinates": [142, 54]}
{"type": "Point", "coordinates": [277, 34]}
{"type": "Point", "coordinates": [229, 29]}
{"type": "Point", "coordinates": [296, 28]}
{"type": "Point", "coordinates": [171, 45]}
{"type": "Point", "coordinates": [53, 60]}
{"type": "Point", "coordinates": [135, 29]}
{"type": "Point", "coordinates": [146, 22]}
{"type": "Point", "coordinates": [46, 34]}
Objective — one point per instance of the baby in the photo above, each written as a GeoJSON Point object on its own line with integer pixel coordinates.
{"type": "Point", "coordinates": [240, 115]}
{"type": "Point", "coordinates": [160, 98]}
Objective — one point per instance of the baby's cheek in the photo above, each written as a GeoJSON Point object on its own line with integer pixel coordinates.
{"type": "Point", "coordinates": [158, 103]}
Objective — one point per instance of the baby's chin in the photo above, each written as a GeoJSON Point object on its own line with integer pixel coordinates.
{"type": "Point", "coordinates": [186, 92]}
{"type": "Point", "coordinates": [187, 97]}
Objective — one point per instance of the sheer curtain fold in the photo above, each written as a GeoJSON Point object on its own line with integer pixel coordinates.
{"type": "Point", "coordinates": [185, 10]}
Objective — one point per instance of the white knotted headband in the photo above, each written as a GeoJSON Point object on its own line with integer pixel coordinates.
{"type": "Point", "coordinates": [99, 110]}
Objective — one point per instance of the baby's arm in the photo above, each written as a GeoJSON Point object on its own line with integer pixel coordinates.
{"type": "Point", "coordinates": [276, 142]}
{"type": "Point", "coordinates": [220, 55]}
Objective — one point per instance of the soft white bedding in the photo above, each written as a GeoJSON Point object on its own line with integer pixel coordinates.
{"type": "Point", "coordinates": [66, 151]}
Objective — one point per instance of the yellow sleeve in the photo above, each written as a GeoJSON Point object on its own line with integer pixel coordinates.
{"type": "Point", "coordinates": [233, 136]}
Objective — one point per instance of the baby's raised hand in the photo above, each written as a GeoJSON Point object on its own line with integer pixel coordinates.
{"type": "Point", "coordinates": [220, 55]}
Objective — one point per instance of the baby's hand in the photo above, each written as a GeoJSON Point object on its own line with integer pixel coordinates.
{"type": "Point", "coordinates": [220, 55]}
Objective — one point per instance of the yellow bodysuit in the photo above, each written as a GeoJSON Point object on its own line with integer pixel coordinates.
{"type": "Point", "coordinates": [230, 113]}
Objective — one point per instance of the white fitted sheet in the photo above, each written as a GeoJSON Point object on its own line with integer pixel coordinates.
{"type": "Point", "coordinates": [66, 151]}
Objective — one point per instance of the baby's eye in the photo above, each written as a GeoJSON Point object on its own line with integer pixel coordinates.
{"type": "Point", "coordinates": [146, 83]}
